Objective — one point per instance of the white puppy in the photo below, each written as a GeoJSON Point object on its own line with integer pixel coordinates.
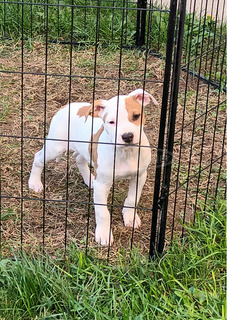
{"type": "Point", "coordinates": [105, 123]}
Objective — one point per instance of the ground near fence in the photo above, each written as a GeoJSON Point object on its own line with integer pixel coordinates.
{"type": "Point", "coordinates": [133, 65]}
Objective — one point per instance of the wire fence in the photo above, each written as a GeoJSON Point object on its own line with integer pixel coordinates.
{"type": "Point", "coordinates": [55, 53]}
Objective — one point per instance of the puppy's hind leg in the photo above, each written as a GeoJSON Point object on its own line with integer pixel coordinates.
{"type": "Point", "coordinates": [84, 170]}
{"type": "Point", "coordinates": [52, 151]}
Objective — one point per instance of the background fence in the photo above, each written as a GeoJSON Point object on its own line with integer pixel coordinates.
{"type": "Point", "coordinates": [53, 52]}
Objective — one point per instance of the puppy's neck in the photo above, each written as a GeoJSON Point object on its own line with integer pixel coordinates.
{"type": "Point", "coordinates": [127, 152]}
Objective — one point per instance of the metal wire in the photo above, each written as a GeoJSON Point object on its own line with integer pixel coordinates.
{"type": "Point", "coordinates": [92, 126]}
{"type": "Point", "coordinates": [188, 31]}
{"type": "Point", "coordinates": [77, 76]}
{"type": "Point", "coordinates": [183, 120]}
{"type": "Point", "coordinates": [82, 6]}
{"type": "Point", "coordinates": [156, 204]}
{"type": "Point", "coordinates": [206, 112]}
{"type": "Point", "coordinates": [215, 127]}
{"type": "Point", "coordinates": [171, 128]}
{"type": "Point", "coordinates": [73, 202]}
{"type": "Point", "coordinates": [22, 124]}
{"type": "Point", "coordinates": [45, 123]}
{"type": "Point", "coordinates": [198, 35]}
{"type": "Point", "coordinates": [78, 141]}
{"type": "Point", "coordinates": [1, 204]}
{"type": "Point", "coordinates": [197, 173]}
{"type": "Point", "coordinates": [194, 124]}
{"type": "Point", "coordinates": [116, 132]}
{"type": "Point", "coordinates": [220, 165]}
{"type": "Point", "coordinates": [68, 133]}
{"type": "Point", "coordinates": [188, 124]}
{"type": "Point", "coordinates": [140, 133]}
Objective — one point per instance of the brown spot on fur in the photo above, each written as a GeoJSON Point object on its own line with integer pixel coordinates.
{"type": "Point", "coordinates": [84, 111]}
{"type": "Point", "coordinates": [95, 138]}
{"type": "Point", "coordinates": [88, 110]}
{"type": "Point", "coordinates": [134, 108]}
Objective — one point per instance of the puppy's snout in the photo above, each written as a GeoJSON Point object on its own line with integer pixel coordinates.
{"type": "Point", "coordinates": [127, 137]}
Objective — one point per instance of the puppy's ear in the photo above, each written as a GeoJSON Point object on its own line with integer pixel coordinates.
{"type": "Point", "coordinates": [97, 108]}
{"type": "Point", "coordinates": [143, 97]}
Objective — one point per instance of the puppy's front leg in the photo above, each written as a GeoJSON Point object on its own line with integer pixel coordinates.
{"type": "Point", "coordinates": [103, 232]}
{"type": "Point", "coordinates": [129, 214]}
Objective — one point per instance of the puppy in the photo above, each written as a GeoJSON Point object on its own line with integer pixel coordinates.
{"type": "Point", "coordinates": [108, 134]}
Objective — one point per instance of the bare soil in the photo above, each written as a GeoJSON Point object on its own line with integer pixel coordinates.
{"type": "Point", "coordinates": [33, 221]}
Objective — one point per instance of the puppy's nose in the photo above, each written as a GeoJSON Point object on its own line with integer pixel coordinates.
{"type": "Point", "coordinates": [127, 137]}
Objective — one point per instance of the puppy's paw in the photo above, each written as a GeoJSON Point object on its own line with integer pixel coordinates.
{"type": "Point", "coordinates": [131, 219]}
{"type": "Point", "coordinates": [103, 236]}
{"type": "Point", "coordinates": [35, 185]}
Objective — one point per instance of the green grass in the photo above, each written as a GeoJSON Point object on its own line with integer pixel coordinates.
{"type": "Point", "coordinates": [84, 22]}
{"type": "Point", "coordinates": [200, 36]}
{"type": "Point", "coordinates": [60, 17]}
{"type": "Point", "coordinates": [188, 282]}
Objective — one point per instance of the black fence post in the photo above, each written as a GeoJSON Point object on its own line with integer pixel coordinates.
{"type": "Point", "coordinates": [141, 23]}
{"type": "Point", "coordinates": [165, 96]}
{"type": "Point", "coordinates": [171, 130]}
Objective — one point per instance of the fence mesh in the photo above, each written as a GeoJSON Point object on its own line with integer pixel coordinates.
{"type": "Point", "coordinates": [54, 53]}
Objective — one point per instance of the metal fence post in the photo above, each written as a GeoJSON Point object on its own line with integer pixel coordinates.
{"type": "Point", "coordinates": [171, 130]}
{"type": "Point", "coordinates": [141, 23]}
{"type": "Point", "coordinates": [165, 96]}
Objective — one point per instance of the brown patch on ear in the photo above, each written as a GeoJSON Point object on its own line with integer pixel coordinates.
{"type": "Point", "coordinates": [84, 112]}
{"type": "Point", "coordinates": [92, 110]}
{"type": "Point", "coordinates": [134, 108]}
{"type": "Point", "coordinates": [96, 108]}
{"type": "Point", "coordinates": [95, 138]}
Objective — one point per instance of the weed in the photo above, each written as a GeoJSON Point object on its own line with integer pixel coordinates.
{"type": "Point", "coordinates": [5, 111]}
{"type": "Point", "coordinates": [9, 214]}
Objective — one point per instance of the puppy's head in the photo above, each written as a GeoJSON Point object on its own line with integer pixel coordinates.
{"type": "Point", "coordinates": [123, 116]}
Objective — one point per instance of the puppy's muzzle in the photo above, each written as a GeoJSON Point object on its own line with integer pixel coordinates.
{"type": "Point", "coordinates": [128, 137]}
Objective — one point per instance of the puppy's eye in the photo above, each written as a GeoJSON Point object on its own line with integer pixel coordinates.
{"type": "Point", "coordinates": [111, 122]}
{"type": "Point", "coordinates": [136, 116]}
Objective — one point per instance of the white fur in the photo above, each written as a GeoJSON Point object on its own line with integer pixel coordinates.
{"type": "Point", "coordinates": [126, 164]}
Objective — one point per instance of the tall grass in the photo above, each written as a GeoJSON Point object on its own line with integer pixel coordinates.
{"type": "Point", "coordinates": [56, 21]}
{"type": "Point", "coordinates": [188, 282]}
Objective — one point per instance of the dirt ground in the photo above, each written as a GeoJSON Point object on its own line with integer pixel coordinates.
{"type": "Point", "coordinates": [33, 221]}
